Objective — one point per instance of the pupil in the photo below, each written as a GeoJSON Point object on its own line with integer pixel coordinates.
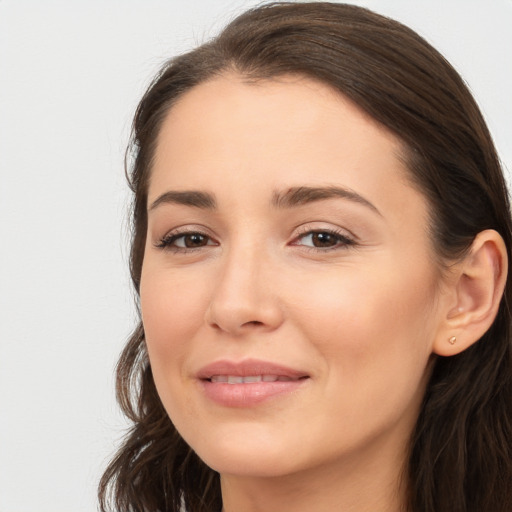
{"type": "Point", "coordinates": [323, 240]}
{"type": "Point", "coordinates": [194, 240]}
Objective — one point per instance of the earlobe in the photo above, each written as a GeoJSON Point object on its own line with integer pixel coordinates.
{"type": "Point", "coordinates": [478, 288]}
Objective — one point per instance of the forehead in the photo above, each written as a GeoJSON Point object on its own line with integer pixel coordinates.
{"type": "Point", "coordinates": [231, 134]}
{"type": "Point", "coordinates": [269, 111]}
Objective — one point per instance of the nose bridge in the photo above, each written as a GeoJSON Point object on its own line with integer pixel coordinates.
{"type": "Point", "coordinates": [243, 295]}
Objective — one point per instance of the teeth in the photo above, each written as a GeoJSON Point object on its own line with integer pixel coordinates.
{"type": "Point", "coordinates": [249, 379]}
{"type": "Point", "coordinates": [254, 378]}
{"type": "Point", "coordinates": [219, 378]}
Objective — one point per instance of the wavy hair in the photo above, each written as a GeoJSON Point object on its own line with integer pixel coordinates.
{"type": "Point", "coordinates": [460, 455]}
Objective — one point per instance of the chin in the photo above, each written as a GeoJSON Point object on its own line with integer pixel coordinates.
{"type": "Point", "coordinates": [247, 455]}
{"type": "Point", "coordinates": [261, 466]}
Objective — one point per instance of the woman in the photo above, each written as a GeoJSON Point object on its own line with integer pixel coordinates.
{"type": "Point", "coordinates": [321, 244]}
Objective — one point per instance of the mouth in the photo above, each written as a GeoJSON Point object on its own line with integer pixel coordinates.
{"type": "Point", "coordinates": [248, 383]}
{"type": "Point", "coordinates": [249, 371]}
{"type": "Point", "coordinates": [251, 379]}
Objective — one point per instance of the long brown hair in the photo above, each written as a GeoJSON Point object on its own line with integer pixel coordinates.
{"type": "Point", "coordinates": [461, 450]}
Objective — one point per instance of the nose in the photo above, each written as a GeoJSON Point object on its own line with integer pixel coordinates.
{"type": "Point", "coordinates": [245, 295]}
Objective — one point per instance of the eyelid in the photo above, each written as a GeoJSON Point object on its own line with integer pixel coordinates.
{"type": "Point", "coordinates": [346, 238]}
{"type": "Point", "coordinates": [319, 226]}
{"type": "Point", "coordinates": [165, 241]}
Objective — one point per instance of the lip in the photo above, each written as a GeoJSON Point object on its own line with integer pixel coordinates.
{"type": "Point", "coordinates": [249, 394]}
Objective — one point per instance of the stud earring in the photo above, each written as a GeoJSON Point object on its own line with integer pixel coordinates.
{"type": "Point", "coordinates": [452, 340]}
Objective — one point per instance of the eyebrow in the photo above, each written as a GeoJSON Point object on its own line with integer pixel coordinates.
{"type": "Point", "coordinates": [193, 198]}
{"type": "Point", "coordinates": [298, 196]}
{"type": "Point", "coordinates": [295, 196]}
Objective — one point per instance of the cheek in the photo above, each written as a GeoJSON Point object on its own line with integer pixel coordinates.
{"type": "Point", "coordinates": [172, 312]}
{"type": "Point", "coordinates": [371, 331]}
{"type": "Point", "coordinates": [173, 309]}
{"type": "Point", "coordinates": [372, 324]}
{"type": "Point", "coordinates": [171, 302]}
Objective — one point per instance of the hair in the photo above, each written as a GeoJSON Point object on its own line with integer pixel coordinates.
{"type": "Point", "coordinates": [460, 454]}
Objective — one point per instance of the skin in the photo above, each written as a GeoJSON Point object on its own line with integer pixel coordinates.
{"type": "Point", "coordinates": [347, 312]}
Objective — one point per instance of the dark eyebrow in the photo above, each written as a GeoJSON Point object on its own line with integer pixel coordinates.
{"type": "Point", "coordinates": [193, 198]}
{"type": "Point", "coordinates": [298, 196]}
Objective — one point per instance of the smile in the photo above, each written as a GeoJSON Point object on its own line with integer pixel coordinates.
{"type": "Point", "coordinates": [248, 383]}
{"type": "Point", "coordinates": [250, 379]}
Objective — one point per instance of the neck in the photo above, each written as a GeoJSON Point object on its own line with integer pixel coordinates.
{"type": "Point", "coordinates": [357, 484]}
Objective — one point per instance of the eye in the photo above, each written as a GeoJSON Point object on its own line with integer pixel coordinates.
{"type": "Point", "coordinates": [185, 241]}
{"type": "Point", "coordinates": [323, 239]}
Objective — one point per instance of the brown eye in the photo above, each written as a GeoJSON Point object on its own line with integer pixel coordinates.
{"type": "Point", "coordinates": [192, 240]}
{"type": "Point", "coordinates": [183, 241]}
{"type": "Point", "coordinates": [324, 239]}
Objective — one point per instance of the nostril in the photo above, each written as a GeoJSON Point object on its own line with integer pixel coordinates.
{"type": "Point", "coordinates": [242, 318]}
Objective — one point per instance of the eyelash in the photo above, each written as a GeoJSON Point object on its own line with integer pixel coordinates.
{"type": "Point", "coordinates": [342, 240]}
{"type": "Point", "coordinates": [168, 240]}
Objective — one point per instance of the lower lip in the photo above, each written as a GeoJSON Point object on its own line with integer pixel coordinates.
{"type": "Point", "coordinates": [250, 394]}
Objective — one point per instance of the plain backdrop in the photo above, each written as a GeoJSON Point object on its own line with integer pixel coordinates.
{"type": "Point", "coordinates": [71, 74]}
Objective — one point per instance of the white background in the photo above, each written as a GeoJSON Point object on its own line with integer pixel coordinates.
{"type": "Point", "coordinates": [70, 76]}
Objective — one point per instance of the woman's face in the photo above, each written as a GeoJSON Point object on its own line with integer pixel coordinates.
{"type": "Point", "coordinates": [289, 293]}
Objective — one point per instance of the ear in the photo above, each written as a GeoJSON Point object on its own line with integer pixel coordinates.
{"type": "Point", "coordinates": [474, 296]}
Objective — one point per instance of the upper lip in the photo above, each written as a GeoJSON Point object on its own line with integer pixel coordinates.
{"type": "Point", "coordinates": [248, 367]}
